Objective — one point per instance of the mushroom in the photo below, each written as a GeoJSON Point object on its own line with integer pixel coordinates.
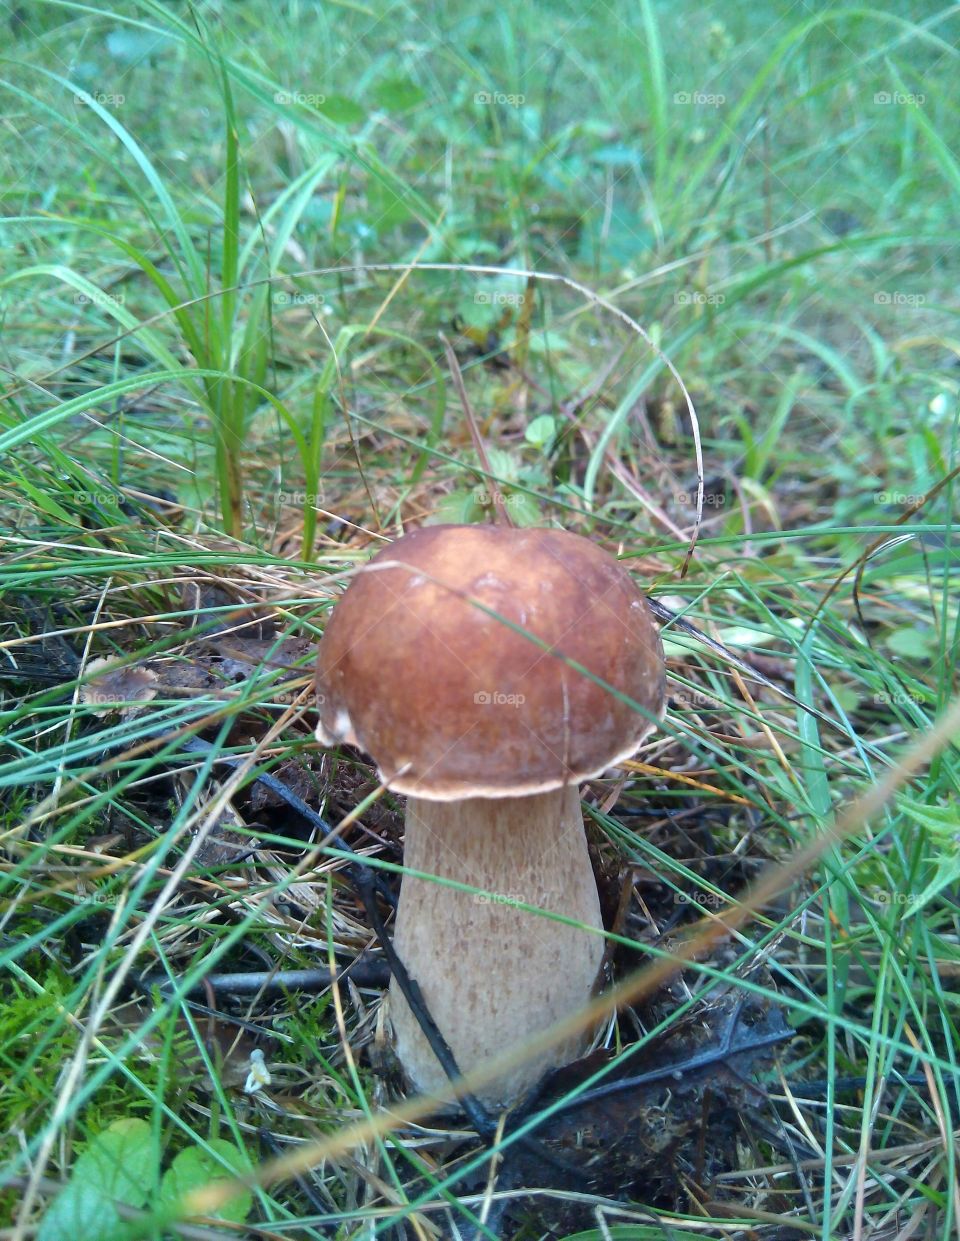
{"type": "Point", "coordinates": [488, 671]}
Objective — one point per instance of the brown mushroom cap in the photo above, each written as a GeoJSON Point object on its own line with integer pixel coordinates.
{"type": "Point", "coordinates": [455, 658]}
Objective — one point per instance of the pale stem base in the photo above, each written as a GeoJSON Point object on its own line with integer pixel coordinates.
{"type": "Point", "coordinates": [491, 974]}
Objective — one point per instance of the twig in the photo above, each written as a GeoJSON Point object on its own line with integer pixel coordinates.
{"type": "Point", "coordinates": [724, 1050]}
{"type": "Point", "coordinates": [365, 971]}
{"type": "Point", "coordinates": [195, 744]}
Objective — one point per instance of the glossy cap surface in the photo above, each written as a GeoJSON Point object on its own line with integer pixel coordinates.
{"type": "Point", "coordinates": [459, 660]}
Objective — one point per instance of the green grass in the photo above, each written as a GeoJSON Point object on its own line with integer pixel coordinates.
{"type": "Point", "coordinates": [231, 237]}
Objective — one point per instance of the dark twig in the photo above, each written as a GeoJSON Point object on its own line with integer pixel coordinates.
{"type": "Point", "coordinates": [818, 1089]}
{"type": "Point", "coordinates": [195, 745]}
{"type": "Point", "coordinates": [146, 985]}
{"type": "Point", "coordinates": [717, 1054]}
{"type": "Point", "coordinates": [365, 971]}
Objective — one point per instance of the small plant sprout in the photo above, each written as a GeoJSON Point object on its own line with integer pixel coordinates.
{"type": "Point", "coordinates": [259, 1074]}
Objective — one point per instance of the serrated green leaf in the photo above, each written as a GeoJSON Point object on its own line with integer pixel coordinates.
{"type": "Point", "coordinates": [524, 509]}
{"type": "Point", "coordinates": [541, 430]}
{"type": "Point", "coordinates": [118, 1166]}
{"type": "Point", "coordinates": [942, 822]}
{"type": "Point", "coordinates": [198, 1166]}
{"type": "Point", "coordinates": [945, 876]}
{"type": "Point", "coordinates": [459, 508]}
{"type": "Point", "coordinates": [502, 465]}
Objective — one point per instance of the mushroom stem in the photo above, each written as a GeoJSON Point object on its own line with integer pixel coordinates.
{"type": "Point", "coordinates": [492, 974]}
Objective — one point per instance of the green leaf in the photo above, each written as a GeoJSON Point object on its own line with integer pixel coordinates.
{"type": "Point", "coordinates": [342, 110]}
{"type": "Point", "coordinates": [502, 465]}
{"type": "Point", "coordinates": [912, 643]}
{"type": "Point", "coordinates": [942, 825]}
{"type": "Point", "coordinates": [119, 1165]}
{"type": "Point", "coordinates": [387, 208]}
{"type": "Point", "coordinates": [478, 311]}
{"type": "Point", "coordinates": [397, 94]}
{"type": "Point", "coordinates": [548, 342]}
{"type": "Point", "coordinates": [524, 509]}
{"type": "Point", "coordinates": [617, 241]}
{"type": "Point", "coordinates": [459, 508]}
{"type": "Point", "coordinates": [847, 698]}
{"type": "Point", "coordinates": [541, 430]}
{"type": "Point", "coordinates": [198, 1166]}
{"type": "Point", "coordinates": [941, 822]}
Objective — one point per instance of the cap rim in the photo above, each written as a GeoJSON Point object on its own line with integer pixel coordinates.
{"type": "Point", "coordinates": [460, 790]}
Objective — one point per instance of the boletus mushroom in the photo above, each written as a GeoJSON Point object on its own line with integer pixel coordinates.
{"type": "Point", "coordinates": [487, 671]}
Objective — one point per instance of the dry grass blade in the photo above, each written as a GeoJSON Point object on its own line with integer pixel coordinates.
{"type": "Point", "coordinates": [501, 514]}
